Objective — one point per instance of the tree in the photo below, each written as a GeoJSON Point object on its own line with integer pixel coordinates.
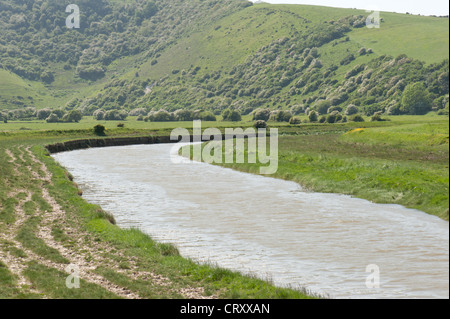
{"type": "Point", "coordinates": [73, 116]}
{"type": "Point", "coordinates": [43, 114]}
{"type": "Point", "coordinates": [313, 116]}
{"type": "Point", "coordinates": [231, 115]}
{"type": "Point", "coordinates": [416, 100]}
{"type": "Point", "coordinates": [261, 115]}
{"type": "Point", "coordinates": [52, 118]}
{"type": "Point", "coordinates": [322, 106]}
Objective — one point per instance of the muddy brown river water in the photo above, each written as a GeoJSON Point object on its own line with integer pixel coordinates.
{"type": "Point", "coordinates": [330, 244]}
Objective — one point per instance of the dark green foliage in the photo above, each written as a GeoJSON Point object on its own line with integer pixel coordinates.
{"type": "Point", "coordinates": [356, 118]}
{"type": "Point", "coordinates": [260, 124]}
{"type": "Point", "coordinates": [313, 116]}
{"type": "Point", "coordinates": [231, 115]}
{"type": "Point", "coordinates": [99, 130]}
{"type": "Point", "coordinates": [322, 106]}
{"type": "Point", "coordinates": [295, 120]}
{"type": "Point", "coordinates": [281, 116]}
{"type": "Point", "coordinates": [261, 115]}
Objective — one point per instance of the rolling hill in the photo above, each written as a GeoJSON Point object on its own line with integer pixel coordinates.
{"type": "Point", "coordinates": [215, 55]}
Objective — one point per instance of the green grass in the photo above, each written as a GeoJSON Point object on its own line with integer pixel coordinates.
{"type": "Point", "coordinates": [423, 38]}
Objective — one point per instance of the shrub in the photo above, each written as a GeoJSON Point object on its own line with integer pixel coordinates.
{"type": "Point", "coordinates": [298, 109]}
{"type": "Point", "coordinates": [295, 120]}
{"type": "Point", "coordinates": [99, 130]}
{"type": "Point", "coordinates": [72, 116]}
{"type": "Point", "coordinates": [313, 116]}
{"type": "Point", "coordinates": [334, 117]}
{"type": "Point", "coordinates": [416, 99]}
{"type": "Point", "coordinates": [183, 115]}
{"type": "Point", "coordinates": [115, 115]}
{"type": "Point", "coordinates": [53, 118]}
{"type": "Point", "coordinates": [356, 118]}
{"type": "Point", "coordinates": [43, 114]}
{"type": "Point", "coordinates": [137, 112]}
{"type": "Point", "coordinates": [260, 124]}
{"type": "Point", "coordinates": [231, 115]}
{"type": "Point", "coordinates": [99, 115]}
{"type": "Point", "coordinates": [161, 116]}
{"type": "Point", "coordinates": [261, 115]}
{"type": "Point", "coordinates": [322, 106]}
{"type": "Point", "coordinates": [281, 116]}
{"type": "Point", "coordinates": [207, 116]}
{"type": "Point", "coordinates": [351, 110]}
{"type": "Point", "coordinates": [121, 125]}
{"type": "Point", "coordinates": [323, 119]}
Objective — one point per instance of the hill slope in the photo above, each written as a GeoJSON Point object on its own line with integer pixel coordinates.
{"type": "Point", "coordinates": [220, 54]}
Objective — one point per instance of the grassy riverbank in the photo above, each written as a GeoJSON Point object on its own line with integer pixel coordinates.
{"type": "Point", "coordinates": [401, 161]}
{"type": "Point", "coordinates": [45, 226]}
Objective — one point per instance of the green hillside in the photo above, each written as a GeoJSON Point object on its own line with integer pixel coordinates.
{"type": "Point", "coordinates": [215, 55]}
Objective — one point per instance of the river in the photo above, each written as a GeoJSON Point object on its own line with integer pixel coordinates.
{"type": "Point", "coordinates": [330, 244]}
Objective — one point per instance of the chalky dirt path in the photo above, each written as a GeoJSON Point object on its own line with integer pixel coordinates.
{"type": "Point", "coordinates": [79, 252]}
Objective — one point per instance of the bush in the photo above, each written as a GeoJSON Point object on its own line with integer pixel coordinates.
{"type": "Point", "coordinates": [313, 116]}
{"type": "Point", "coordinates": [99, 115]}
{"type": "Point", "coordinates": [416, 99]}
{"type": "Point", "coordinates": [72, 116]}
{"type": "Point", "coordinates": [207, 116]}
{"type": "Point", "coordinates": [43, 114]}
{"type": "Point", "coordinates": [261, 115]}
{"type": "Point", "coordinates": [115, 115]}
{"type": "Point", "coordinates": [231, 115]}
{"type": "Point", "coordinates": [161, 116]}
{"type": "Point", "coordinates": [281, 116]}
{"type": "Point", "coordinates": [356, 118]}
{"type": "Point", "coordinates": [334, 117]}
{"type": "Point", "coordinates": [99, 130]}
{"type": "Point", "coordinates": [322, 106]}
{"type": "Point", "coordinates": [260, 124]}
{"type": "Point", "coordinates": [183, 115]}
{"type": "Point", "coordinates": [295, 120]}
{"type": "Point", "coordinates": [53, 118]}
{"type": "Point", "coordinates": [4, 117]}
{"type": "Point", "coordinates": [298, 109]}
{"type": "Point", "coordinates": [351, 110]}
{"type": "Point", "coordinates": [137, 112]}
{"type": "Point", "coordinates": [121, 125]}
